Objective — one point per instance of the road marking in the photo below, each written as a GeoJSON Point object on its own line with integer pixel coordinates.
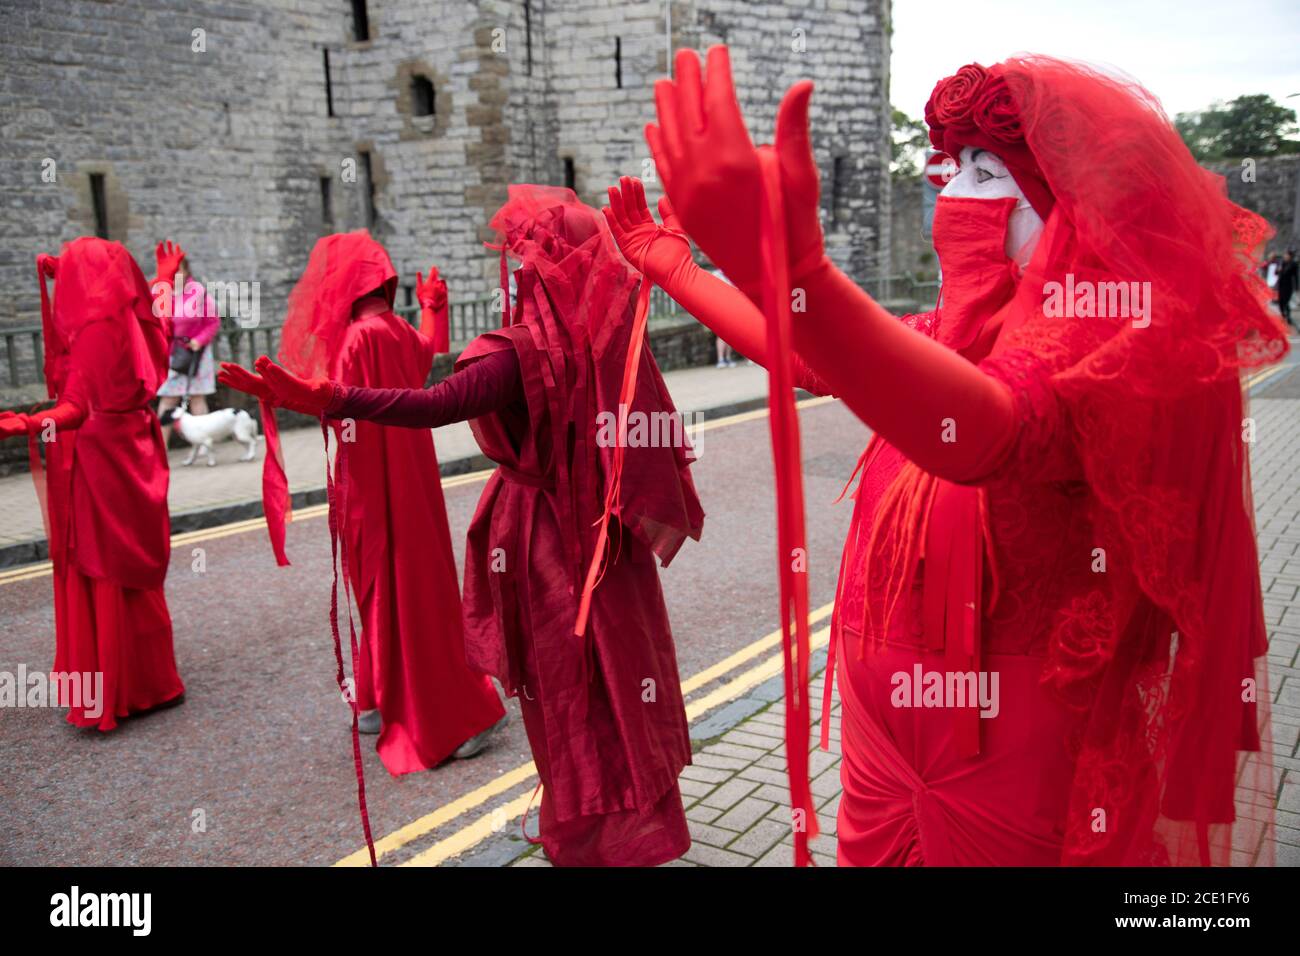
{"type": "Point", "coordinates": [485, 825]}
{"type": "Point", "coordinates": [431, 821]}
{"type": "Point", "coordinates": [1261, 377]}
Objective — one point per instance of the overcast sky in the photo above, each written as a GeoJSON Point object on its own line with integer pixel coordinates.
{"type": "Point", "coordinates": [1188, 54]}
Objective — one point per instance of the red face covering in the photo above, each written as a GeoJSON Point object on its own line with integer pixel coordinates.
{"type": "Point", "coordinates": [978, 278]}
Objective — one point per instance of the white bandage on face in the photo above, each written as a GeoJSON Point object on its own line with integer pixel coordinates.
{"type": "Point", "coordinates": [983, 175]}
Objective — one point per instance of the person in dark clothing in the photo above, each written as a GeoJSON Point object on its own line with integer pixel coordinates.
{"type": "Point", "coordinates": [1286, 284]}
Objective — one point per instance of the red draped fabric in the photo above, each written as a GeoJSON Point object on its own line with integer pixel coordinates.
{"type": "Point", "coordinates": [603, 709]}
{"type": "Point", "coordinates": [105, 483]}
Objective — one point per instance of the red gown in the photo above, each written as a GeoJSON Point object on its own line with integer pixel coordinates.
{"type": "Point", "coordinates": [106, 485]}
{"type": "Point", "coordinates": [603, 707]}
{"type": "Point", "coordinates": [403, 575]}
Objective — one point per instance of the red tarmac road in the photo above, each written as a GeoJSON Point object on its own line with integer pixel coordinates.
{"type": "Point", "coordinates": [262, 745]}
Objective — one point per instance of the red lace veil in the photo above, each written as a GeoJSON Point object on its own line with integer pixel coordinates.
{"type": "Point", "coordinates": [97, 280]}
{"type": "Point", "coordinates": [343, 267]}
{"type": "Point", "coordinates": [1166, 671]}
{"type": "Point", "coordinates": [585, 310]}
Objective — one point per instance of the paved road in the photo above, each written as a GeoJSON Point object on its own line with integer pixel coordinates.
{"type": "Point", "coordinates": [262, 746]}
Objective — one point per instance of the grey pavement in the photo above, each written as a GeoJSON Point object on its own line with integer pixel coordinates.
{"type": "Point", "coordinates": [231, 482]}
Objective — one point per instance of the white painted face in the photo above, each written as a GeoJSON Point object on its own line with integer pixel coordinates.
{"type": "Point", "coordinates": [983, 175]}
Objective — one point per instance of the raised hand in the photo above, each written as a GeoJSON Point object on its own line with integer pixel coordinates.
{"type": "Point", "coordinates": [431, 293]}
{"type": "Point", "coordinates": [800, 186]}
{"type": "Point", "coordinates": [47, 265]}
{"type": "Point", "coordinates": [168, 255]}
{"type": "Point", "coordinates": [308, 395]}
{"type": "Point", "coordinates": [658, 251]}
{"type": "Point", "coordinates": [708, 164]}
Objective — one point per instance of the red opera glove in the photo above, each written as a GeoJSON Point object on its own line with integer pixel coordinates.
{"type": "Point", "coordinates": [242, 380]}
{"type": "Point", "coordinates": [664, 255]}
{"type": "Point", "coordinates": [65, 416]}
{"type": "Point", "coordinates": [312, 396]}
{"type": "Point", "coordinates": [709, 167]}
{"type": "Point", "coordinates": [12, 424]}
{"type": "Point", "coordinates": [168, 255]}
{"type": "Point", "coordinates": [47, 265]}
{"type": "Point", "coordinates": [432, 292]}
{"type": "Point", "coordinates": [434, 309]}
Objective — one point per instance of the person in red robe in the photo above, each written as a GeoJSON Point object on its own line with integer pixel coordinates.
{"type": "Point", "coordinates": [1049, 625]}
{"type": "Point", "coordinates": [562, 598]}
{"type": "Point", "coordinates": [412, 683]}
{"type": "Point", "coordinates": [103, 484]}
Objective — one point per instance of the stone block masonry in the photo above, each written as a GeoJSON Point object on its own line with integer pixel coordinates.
{"type": "Point", "coordinates": [246, 129]}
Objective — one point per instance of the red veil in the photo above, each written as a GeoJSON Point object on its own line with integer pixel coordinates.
{"type": "Point", "coordinates": [576, 300]}
{"type": "Point", "coordinates": [1165, 667]}
{"type": "Point", "coordinates": [97, 280]}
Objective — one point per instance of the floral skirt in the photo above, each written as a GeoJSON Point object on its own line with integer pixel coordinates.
{"type": "Point", "coordinates": [202, 382]}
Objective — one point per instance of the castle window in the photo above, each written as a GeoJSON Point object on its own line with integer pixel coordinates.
{"type": "Point", "coordinates": [618, 62]}
{"type": "Point", "coordinates": [99, 204]}
{"type": "Point", "coordinates": [422, 101]}
{"type": "Point", "coordinates": [838, 178]}
{"type": "Point", "coordinates": [528, 35]}
{"type": "Point", "coordinates": [570, 174]}
{"type": "Point", "coordinates": [329, 86]}
{"type": "Point", "coordinates": [326, 202]}
{"type": "Point", "coordinates": [368, 171]}
{"type": "Point", "coordinates": [360, 21]}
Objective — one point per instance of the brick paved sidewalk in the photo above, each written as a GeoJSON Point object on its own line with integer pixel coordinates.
{"type": "Point", "coordinates": [736, 795]}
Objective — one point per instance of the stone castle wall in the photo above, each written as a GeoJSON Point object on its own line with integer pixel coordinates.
{"type": "Point", "coordinates": [224, 148]}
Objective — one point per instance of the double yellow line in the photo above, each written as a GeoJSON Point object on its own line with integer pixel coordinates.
{"type": "Point", "coordinates": [492, 821]}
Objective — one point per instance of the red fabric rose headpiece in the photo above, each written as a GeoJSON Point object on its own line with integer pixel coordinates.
{"type": "Point", "coordinates": [974, 107]}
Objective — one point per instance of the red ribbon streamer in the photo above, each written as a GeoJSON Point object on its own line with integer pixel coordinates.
{"type": "Point", "coordinates": [791, 534]}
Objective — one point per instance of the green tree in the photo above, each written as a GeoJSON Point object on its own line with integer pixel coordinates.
{"type": "Point", "coordinates": [908, 141]}
{"type": "Point", "coordinates": [1252, 125]}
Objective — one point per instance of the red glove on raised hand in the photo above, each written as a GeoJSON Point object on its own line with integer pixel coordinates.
{"type": "Point", "coordinates": [710, 169]}
{"type": "Point", "coordinates": [168, 255]}
{"type": "Point", "coordinates": [432, 293]}
{"type": "Point", "coordinates": [434, 309]}
{"type": "Point", "coordinates": [708, 164]}
{"type": "Point", "coordinates": [47, 265]}
{"type": "Point", "coordinates": [311, 396]}
{"type": "Point", "coordinates": [664, 255]}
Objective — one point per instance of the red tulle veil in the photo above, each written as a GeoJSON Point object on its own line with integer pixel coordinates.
{"type": "Point", "coordinates": [1166, 668]}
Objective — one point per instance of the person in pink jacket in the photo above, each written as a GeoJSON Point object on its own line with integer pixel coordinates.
{"type": "Point", "coordinates": [195, 324]}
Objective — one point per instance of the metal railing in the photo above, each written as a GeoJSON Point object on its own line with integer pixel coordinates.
{"type": "Point", "coordinates": [23, 353]}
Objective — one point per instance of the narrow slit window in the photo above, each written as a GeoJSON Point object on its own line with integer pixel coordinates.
{"type": "Point", "coordinates": [99, 204]}
{"type": "Point", "coordinates": [837, 188]}
{"type": "Point", "coordinates": [422, 101]}
{"type": "Point", "coordinates": [528, 36]}
{"type": "Point", "coordinates": [326, 202]}
{"type": "Point", "coordinates": [360, 21]}
{"type": "Point", "coordinates": [329, 86]}
{"type": "Point", "coordinates": [368, 171]}
{"type": "Point", "coordinates": [570, 174]}
{"type": "Point", "coordinates": [618, 62]}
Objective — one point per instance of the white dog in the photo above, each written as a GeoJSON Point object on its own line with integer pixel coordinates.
{"type": "Point", "coordinates": [203, 431]}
